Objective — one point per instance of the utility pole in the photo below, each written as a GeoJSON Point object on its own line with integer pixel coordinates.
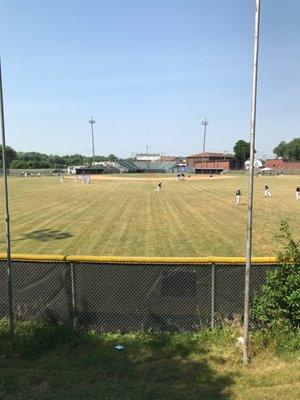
{"type": "Point", "coordinates": [92, 122]}
{"type": "Point", "coordinates": [205, 123]}
{"type": "Point", "coordinates": [6, 217]}
{"type": "Point", "coordinates": [250, 188]}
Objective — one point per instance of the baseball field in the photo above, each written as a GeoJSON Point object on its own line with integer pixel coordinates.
{"type": "Point", "coordinates": [124, 216]}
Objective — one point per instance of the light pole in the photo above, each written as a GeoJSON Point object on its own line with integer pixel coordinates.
{"type": "Point", "coordinates": [250, 188]}
{"type": "Point", "coordinates": [6, 215]}
{"type": "Point", "coordinates": [92, 122]}
{"type": "Point", "coordinates": [204, 123]}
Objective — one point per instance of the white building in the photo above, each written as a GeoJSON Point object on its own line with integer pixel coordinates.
{"type": "Point", "coordinates": [147, 157]}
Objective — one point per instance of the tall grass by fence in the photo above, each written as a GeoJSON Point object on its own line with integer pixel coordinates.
{"type": "Point", "coordinates": [126, 294]}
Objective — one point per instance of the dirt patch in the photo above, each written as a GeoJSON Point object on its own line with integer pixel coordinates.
{"type": "Point", "coordinates": [153, 178]}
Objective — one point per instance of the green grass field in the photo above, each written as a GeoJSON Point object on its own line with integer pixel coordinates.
{"type": "Point", "coordinates": [128, 218]}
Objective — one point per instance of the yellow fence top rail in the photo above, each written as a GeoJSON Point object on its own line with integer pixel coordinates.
{"type": "Point", "coordinates": [137, 260]}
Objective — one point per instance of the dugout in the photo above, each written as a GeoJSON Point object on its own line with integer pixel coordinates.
{"type": "Point", "coordinates": [90, 171]}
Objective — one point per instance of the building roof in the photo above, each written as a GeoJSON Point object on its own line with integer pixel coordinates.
{"type": "Point", "coordinates": [147, 154]}
{"type": "Point", "coordinates": [211, 154]}
{"type": "Point", "coordinates": [168, 158]}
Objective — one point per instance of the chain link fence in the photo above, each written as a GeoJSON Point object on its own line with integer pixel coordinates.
{"type": "Point", "coordinates": [125, 297]}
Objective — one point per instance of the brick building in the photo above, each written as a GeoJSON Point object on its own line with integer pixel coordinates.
{"type": "Point", "coordinates": [280, 164]}
{"type": "Point", "coordinates": [211, 162]}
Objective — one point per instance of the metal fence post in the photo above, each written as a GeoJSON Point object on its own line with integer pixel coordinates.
{"type": "Point", "coordinates": [250, 187]}
{"type": "Point", "coordinates": [73, 296]}
{"type": "Point", "coordinates": [6, 217]}
{"type": "Point", "coordinates": [212, 303]}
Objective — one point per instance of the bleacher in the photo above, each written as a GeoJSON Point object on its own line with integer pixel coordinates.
{"type": "Point", "coordinates": [130, 166]}
{"type": "Point", "coordinates": [156, 166]}
{"type": "Point", "coordinates": [110, 167]}
{"type": "Point", "coordinates": [126, 166]}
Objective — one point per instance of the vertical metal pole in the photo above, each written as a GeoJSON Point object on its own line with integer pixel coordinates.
{"type": "Point", "coordinates": [92, 122]}
{"type": "Point", "coordinates": [6, 216]}
{"type": "Point", "coordinates": [148, 160]}
{"type": "Point", "coordinates": [250, 188]}
{"type": "Point", "coordinates": [212, 307]}
{"type": "Point", "coordinates": [73, 296]}
{"type": "Point", "coordinates": [205, 123]}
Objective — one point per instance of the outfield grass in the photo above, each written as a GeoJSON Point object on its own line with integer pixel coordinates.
{"type": "Point", "coordinates": [55, 363]}
{"type": "Point", "coordinates": [128, 218]}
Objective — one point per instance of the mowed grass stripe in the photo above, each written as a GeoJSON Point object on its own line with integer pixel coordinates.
{"type": "Point", "coordinates": [96, 217]}
{"type": "Point", "coordinates": [208, 214]}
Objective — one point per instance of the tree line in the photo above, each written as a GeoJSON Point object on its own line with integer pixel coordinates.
{"type": "Point", "coordinates": [289, 151]}
{"type": "Point", "coordinates": [34, 160]}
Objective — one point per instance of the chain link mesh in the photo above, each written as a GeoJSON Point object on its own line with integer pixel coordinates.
{"type": "Point", "coordinates": [128, 297]}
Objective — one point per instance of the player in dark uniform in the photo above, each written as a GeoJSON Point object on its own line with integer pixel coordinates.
{"type": "Point", "coordinates": [238, 194]}
{"type": "Point", "coordinates": [298, 193]}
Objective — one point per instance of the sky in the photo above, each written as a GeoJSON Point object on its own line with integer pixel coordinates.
{"type": "Point", "coordinates": [148, 72]}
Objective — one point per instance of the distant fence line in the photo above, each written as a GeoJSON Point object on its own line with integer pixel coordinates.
{"type": "Point", "coordinates": [49, 171]}
{"type": "Point", "coordinates": [112, 294]}
{"type": "Point", "coordinates": [42, 171]}
{"type": "Point", "coordinates": [33, 172]}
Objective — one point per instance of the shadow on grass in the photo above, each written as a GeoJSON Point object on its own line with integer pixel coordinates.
{"type": "Point", "coordinates": [44, 235]}
{"type": "Point", "coordinates": [81, 366]}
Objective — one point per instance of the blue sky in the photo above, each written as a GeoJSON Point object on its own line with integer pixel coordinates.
{"type": "Point", "coordinates": [148, 72]}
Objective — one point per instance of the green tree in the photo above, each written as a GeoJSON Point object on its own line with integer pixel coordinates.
{"type": "Point", "coordinates": [19, 164]}
{"type": "Point", "coordinates": [279, 300]}
{"type": "Point", "coordinates": [76, 159]}
{"type": "Point", "coordinates": [294, 149]}
{"type": "Point", "coordinates": [10, 153]}
{"type": "Point", "coordinates": [241, 150]}
{"type": "Point", "coordinates": [100, 158]}
{"type": "Point", "coordinates": [281, 150]}
{"type": "Point", "coordinates": [30, 156]}
{"type": "Point", "coordinates": [34, 159]}
{"type": "Point", "coordinates": [112, 157]}
{"type": "Point", "coordinates": [288, 151]}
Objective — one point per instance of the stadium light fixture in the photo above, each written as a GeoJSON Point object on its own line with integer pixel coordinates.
{"type": "Point", "coordinates": [6, 215]}
{"type": "Point", "coordinates": [250, 187]}
{"type": "Point", "coordinates": [92, 122]}
{"type": "Point", "coordinates": [204, 123]}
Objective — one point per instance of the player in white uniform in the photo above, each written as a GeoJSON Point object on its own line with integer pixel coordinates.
{"type": "Point", "coordinates": [298, 193]}
{"type": "Point", "coordinates": [238, 194]}
{"type": "Point", "coordinates": [267, 191]}
{"type": "Point", "coordinates": [159, 186]}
